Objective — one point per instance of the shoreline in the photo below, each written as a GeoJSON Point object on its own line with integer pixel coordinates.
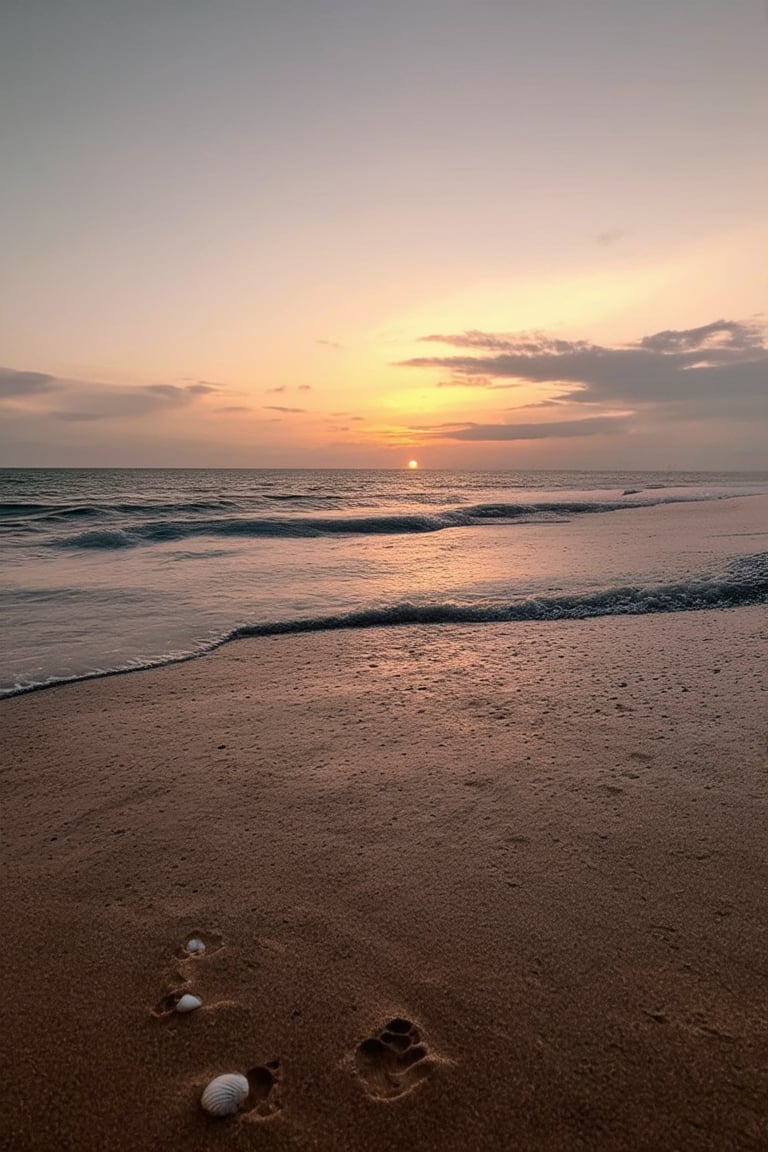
{"type": "Point", "coordinates": [726, 587]}
{"type": "Point", "coordinates": [541, 844]}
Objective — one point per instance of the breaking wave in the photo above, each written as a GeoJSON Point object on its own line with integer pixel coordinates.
{"type": "Point", "coordinates": [303, 527]}
{"type": "Point", "coordinates": [743, 582]}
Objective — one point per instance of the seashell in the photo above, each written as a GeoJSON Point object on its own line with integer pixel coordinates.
{"type": "Point", "coordinates": [195, 945]}
{"type": "Point", "coordinates": [224, 1095]}
{"type": "Point", "coordinates": [188, 1003]}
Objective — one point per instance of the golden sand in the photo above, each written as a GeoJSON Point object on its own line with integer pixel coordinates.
{"type": "Point", "coordinates": [492, 888]}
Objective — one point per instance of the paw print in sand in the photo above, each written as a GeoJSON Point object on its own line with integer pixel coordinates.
{"type": "Point", "coordinates": [393, 1061]}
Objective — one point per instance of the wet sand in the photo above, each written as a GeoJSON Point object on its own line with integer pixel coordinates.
{"type": "Point", "coordinates": [538, 852]}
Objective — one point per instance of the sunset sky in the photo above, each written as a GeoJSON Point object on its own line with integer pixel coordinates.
{"type": "Point", "coordinates": [356, 232]}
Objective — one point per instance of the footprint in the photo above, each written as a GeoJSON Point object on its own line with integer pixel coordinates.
{"type": "Point", "coordinates": [177, 984]}
{"type": "Point", "coordinates": [195, 946]}
{"type": "Point", "coordinates": [167, 1007]}
{"type": "Point", "coordinates": [211, 943]}
{"type": "Point", "coordinates": [394, 1061]}
{"type": "Point", "coordinates": [262, 1100]}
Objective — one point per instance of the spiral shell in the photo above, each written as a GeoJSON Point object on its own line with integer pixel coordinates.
{"type": "Point", "coordinates": [188, 1003]}
{"type": "Point", "coordinates": [224, 1095]}
{"type": "Point", "coordinates": [195, 945]}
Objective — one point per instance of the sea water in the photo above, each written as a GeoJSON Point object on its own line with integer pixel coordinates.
{"type": "Point", "coordinates": [105, 570]}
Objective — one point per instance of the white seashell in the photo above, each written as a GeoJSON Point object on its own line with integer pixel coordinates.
{"type": "Point", "coordinates": [188, 1003]}
{"type": "Point", "coordinates": [224, 1095]}
{"type": "Point", "coordinates": [195, 945]}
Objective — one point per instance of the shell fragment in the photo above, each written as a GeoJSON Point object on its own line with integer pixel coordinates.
{"type": "Point", "coordinates": [188, 1003]}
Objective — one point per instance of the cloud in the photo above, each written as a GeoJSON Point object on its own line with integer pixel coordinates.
{"type": "Point", "coordinates": [15, 383]}
{"type": "Point", "coordinates": [305, 388]}
{"type": "Point", "coordinates": [727, 334]}
{"type": "Point", "coordinates": [280, 408]}
{"type": "Point", "coordinates": [234, 408]}
{"type": "Point", "coordinates": [109, 403]}
{"type": "Point", "coordinates": [329, 344]}
{"type": "Point", "coordinates": [171, 394]}
{"type": "Point", "coordinates": [77, 417]}
{"type": "Point", "coordinates": [460, 381]}
{"type": "Point", "coordinates": [525, 343]}
{"type": "Point", "coordinates": [686, 373]}
{"type": "Point", "coordinates": [611, 236]}
{"type": "Point", "coordinates": [81, 401]}
{"type": "Point", "coordinates": [280, 388]}
{"type": "Point", "coordinates": [201, 388]}
{"type": "Point", "coordinates": [557, 429]}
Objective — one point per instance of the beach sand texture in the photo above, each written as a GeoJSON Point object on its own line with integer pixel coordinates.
{"type": "Point", "coordinates": [498, 887]}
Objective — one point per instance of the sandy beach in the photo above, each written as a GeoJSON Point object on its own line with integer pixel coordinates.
{"type": "Point", "coordinates": [498, 887]}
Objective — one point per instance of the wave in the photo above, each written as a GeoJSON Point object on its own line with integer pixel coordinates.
{"type": "Point", "coordinates": [743, 583]}
{"type": "Point", "coordinates": [313, 496]}
{"type": "Point", "coordinates": [747, 584]}
{"type": "Point", "coordinates": [20, 514]}
{"type": "Point", "coordinates": [161, 531]}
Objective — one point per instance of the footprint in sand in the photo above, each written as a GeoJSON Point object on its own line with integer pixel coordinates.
{"type": "Point", "coordinates": [198, 945]}
{"type": "Point", "coordinates": [180, 1000]}
{"type": "Point", "coordinates": [393, 1061]}
{"type": "Point", "coordinates": [195, 947]}
{"type": "Point", "coordinates": [262, 1101]}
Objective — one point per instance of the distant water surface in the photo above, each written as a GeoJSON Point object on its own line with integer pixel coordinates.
{"type": "Point", "coordinates": [105, 570]}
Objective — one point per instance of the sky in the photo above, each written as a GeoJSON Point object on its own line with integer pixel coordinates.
{"type": "Point", "coordinates": [350, 233]}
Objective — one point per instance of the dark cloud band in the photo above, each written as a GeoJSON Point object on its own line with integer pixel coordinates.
{"type": "Point", "coordinates": [686, 372]}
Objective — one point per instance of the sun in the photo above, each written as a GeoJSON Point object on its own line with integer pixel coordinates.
{"type": "Point", "coordinates": [413, 463]}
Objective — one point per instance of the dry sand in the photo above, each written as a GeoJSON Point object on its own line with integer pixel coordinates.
{"type": "Point", "coordinates": [541, 846]}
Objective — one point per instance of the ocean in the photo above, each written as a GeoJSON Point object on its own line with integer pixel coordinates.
{"type": "Point", "coordinates": [110, 570]}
